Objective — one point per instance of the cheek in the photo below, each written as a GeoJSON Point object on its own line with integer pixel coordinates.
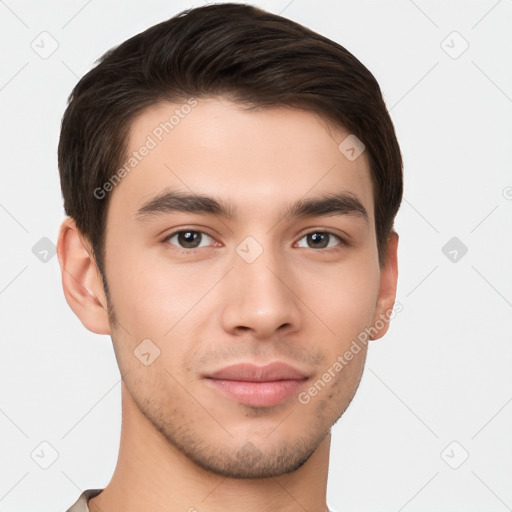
{"type": "Point", "coordinates": [154, 302]}
{"type": "Point", "coordinates": [350, 303]}
{"type": "Point", "coordinates": [148, 297]}
{"type": "Point", "coordinates": [343, 298]}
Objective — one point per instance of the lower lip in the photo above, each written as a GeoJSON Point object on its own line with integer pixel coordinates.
{"type": "Point", "coordinates": [257, 394]}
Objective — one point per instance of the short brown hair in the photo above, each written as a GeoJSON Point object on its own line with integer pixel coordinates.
{"type": "Point", "coordinates": [254, 57]}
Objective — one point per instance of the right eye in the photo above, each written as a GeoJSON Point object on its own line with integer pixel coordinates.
{"type": "Point", "coordinates": [187, 239]}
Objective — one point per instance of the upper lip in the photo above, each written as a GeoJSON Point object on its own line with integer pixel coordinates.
{"type": "Point", "coordinates": [248, 372]}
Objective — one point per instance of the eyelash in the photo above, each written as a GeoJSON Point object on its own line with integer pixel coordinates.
{"type": "Point", "coordinates": [181, 250]}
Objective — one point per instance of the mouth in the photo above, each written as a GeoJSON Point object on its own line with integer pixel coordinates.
{"type": "Point", "coordinates": [257, 386]}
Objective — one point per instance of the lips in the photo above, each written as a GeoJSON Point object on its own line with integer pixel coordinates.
{"type": "Point", "coordinates": [257, 386]}
{"type": "Point", "coordinates": [252, 373]}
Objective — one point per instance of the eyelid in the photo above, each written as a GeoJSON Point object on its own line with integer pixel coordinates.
{"type": "Point", "coordinates": [333, 231]}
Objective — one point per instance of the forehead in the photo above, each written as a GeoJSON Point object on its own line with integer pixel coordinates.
{"type": "Point", "coordinates": [256, 160]}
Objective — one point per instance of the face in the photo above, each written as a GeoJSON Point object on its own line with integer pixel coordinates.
{"type": "Point", "coordinates": [200, 285]}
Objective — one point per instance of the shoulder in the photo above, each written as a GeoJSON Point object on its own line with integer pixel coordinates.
{"type": "Point", "coordinates": [80, 504]}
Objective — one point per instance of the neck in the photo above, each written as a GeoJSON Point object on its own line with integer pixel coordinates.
{"type": "Point", "coordinates": [151, 474]}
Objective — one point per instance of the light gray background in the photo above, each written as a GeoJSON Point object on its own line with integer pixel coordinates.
{"type": "Point", "coordinates": [437, 387]}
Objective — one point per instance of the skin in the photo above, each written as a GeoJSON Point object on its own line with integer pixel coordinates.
{"type": "Point", "coordinates": [183, 444]}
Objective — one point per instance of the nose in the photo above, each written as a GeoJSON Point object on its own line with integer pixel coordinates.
{"type": "Point", "coordinates": [258, 298]}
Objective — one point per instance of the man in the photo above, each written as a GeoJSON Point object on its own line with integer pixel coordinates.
{"type": "Point", "coordinates": [231, 180]}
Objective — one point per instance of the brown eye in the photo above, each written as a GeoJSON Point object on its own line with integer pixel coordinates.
{"type": "Point", "coordinates": [188, 239]}
{"type": "Point", "coordinates": [321, 240]}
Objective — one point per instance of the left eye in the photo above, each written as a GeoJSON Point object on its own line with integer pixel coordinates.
{"type": "Point", "coordinates": [320, 239]}
{"type": "Point", "coordinates": [189, 239]}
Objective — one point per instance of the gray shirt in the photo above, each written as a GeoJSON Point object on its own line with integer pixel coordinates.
{"type": "Point", "coordinates": [81, 504]}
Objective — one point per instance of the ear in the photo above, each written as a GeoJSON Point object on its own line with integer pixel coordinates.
{"type": "Point", "coordinates": [387, 290]}
{"type": "Point", "coordinates": [81, 279]}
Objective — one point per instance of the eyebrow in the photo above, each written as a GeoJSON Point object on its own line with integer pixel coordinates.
{"type": "Point", "coordinates": [168, 201]}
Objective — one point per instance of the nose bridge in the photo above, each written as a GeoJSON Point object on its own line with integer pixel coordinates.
{"type": "Point", "coordinates": [259, 294]}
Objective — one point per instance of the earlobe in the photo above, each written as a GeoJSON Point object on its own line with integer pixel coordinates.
{"type": "Point", "coordinates": [81, 279]}
{"type": "Point", "coordinates": [387, 290]}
